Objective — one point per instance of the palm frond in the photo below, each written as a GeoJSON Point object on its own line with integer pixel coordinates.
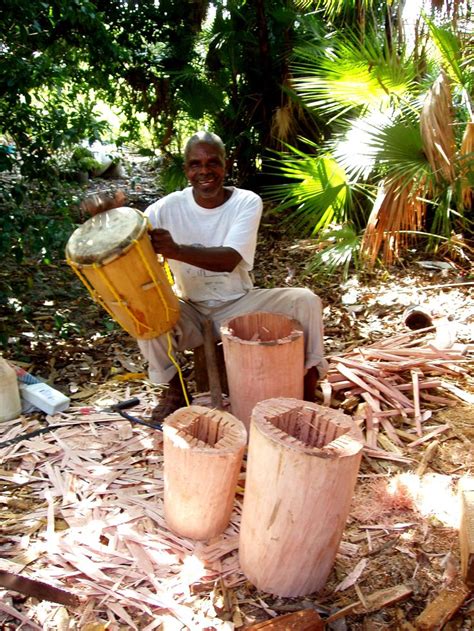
{"type": "Point", "coordinates": [351, 75]}
{"type": "Point", "coordinates": [467, 165]}
{"type": "Point", "coordinates": [386, 143]}
{"type": "Point", "coordinates": [316, 193]}
{"type": "Point", "coordinates": [303, 5]}
{"type": "Point", "coordinates": [442, 222]}
{"type": "Point", "coordinates": [436, 123]}
{"type": "Point", "coordinates": [333, 8]}
{"type": "Point", "coordinates": [449, 49]}
{"type": "Point", "coordinates": [399, 152]}
{"type": "Point", "coordinates": [338, 248]}
{"type": "Point", "coordinates": [399, 211]}
{"type": "Point", "coordinates": [196, 93]}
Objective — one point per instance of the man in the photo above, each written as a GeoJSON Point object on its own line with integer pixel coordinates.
{"type": "Point", "coordinates": [208, 234]}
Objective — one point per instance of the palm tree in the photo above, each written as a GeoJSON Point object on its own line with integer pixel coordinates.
{"type": "Point", "coordinates": [396, 139]}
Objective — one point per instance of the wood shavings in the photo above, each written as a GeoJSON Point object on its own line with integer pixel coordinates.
{"type": "Point", "coordinates": [106, 484]}
{"type": "Point", "coordinates": [386, 385]}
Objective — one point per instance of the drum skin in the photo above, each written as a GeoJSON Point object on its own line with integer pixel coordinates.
{"type": "Point", "coordinates": [113, 256]}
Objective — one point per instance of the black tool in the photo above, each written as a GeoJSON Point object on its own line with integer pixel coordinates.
{"type": "Point", "coordinates": [116, 407]}
{"type": "Point", "coordinates": [12, 579]}
{"type": "Point", "coordinates": [122, 405]}
{"type": "Point", "coordinates": [130, 403]}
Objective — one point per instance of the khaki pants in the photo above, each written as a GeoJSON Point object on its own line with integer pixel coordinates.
{"type": "Point", "coordinates": [298, 303]}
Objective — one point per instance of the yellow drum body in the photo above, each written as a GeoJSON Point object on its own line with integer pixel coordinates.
{"type": "Point", "coordinates": [113, 256]}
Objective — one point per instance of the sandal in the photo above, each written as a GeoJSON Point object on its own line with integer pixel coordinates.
{"type": "Point", "coordinates": [171, 399]}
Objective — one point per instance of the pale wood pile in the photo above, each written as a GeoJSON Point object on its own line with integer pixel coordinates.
{"type": "Point", "coordinates": [393, 387]}
{"type": "Point", "coordinates": [93, 523]}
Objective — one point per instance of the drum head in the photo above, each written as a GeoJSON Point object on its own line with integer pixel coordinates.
{"type": "Point", "coordinates": [106, 235]}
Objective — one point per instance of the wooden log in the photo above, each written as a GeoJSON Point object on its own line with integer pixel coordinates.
{"type": "Point", "coordinates": [203, 452]}
{"type": "Point", "coordinates": [298, 491]}
{"type": "Point", "coordinates": [264, 357]}
{"type": "Point", "coordinates": [304, 620]}
{"type": "Point", "coordinates": [443, 607]}
{"type": "Point", "coordinates": [466, 530]}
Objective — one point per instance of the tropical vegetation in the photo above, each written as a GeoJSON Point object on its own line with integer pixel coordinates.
{"type": "Point", "coordinates": [359, 127]}
{"type": "Point", "coordinates": [395, 168]}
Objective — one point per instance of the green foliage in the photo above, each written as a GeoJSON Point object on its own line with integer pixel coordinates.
{"type": "Point", "coordinates": [455, 59]}
{"type": "Point", "coordinates": [47, 50]}
{"type": "Point", "coordinates": [64, 325]}
{"type": "Point", "coordinates": [351, 76]}
{"type": "Point", "coordinates": [168, 67]}
{"type": "Point", "coordinates": [372, 100]}
{"type": "Point", "coordinates": [171, 175]}
{"type": "Point", "coordinates": [315, 188]}
{"type": "Point", "coordinates": [36, 222]}
{"type": "Point", "coordinates": [82, 159]}
{"type": "Point", "coordinates": [339, 249]}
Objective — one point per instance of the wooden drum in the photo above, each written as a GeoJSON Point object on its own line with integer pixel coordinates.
{"type": "Point", "coordinates": [113, 256]}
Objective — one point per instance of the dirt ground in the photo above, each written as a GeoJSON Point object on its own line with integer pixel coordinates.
{"type": "Point", "coordinates": [403, 527]}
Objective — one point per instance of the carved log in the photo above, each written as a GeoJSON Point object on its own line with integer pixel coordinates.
{"type": "Point", "coordinates": [264, 357]}
{"type": "Point", "coordinates": [203, 452]}
{"type": "Point", "coordinates": [303, 461]}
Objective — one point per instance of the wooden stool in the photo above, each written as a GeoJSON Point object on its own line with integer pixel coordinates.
{"type": "Point", "coordinates": [201, 376]}
{"type": "Point", "coordinates": [209, 366]}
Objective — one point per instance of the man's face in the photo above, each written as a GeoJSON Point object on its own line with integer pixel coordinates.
{"type": "Point", "coordinates": [205, 170]}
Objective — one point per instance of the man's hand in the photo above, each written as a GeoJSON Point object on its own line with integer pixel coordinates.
{"type": "Point", "coordinates": [99, 202]}
{"type": "Point", "coordinates": [215, 259]}
{"type": "Point", "coordinates": [163, 243]}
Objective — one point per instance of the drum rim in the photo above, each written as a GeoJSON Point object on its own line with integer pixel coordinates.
{"type": "Point", "coordinates": [114, 254]}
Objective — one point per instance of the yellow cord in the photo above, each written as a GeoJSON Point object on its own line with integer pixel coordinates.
{"type": "Point", "coordinates": [176, 365]}
{"type": "Point", "coordinates": [168, 273]}
{"type": "Point", "coordinates": [118, 298]}
{"type": "Point", "coordinates": [153, 277]}
{"type": "Point", "coordinates": [95, 296]}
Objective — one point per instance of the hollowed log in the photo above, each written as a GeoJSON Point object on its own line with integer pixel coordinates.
{"type": "Point", "coordinates": [203, 452]}
{"type": "Point", "coordinates": [264, 358]}
{"type": "Point", "coordinates": [302, 467]}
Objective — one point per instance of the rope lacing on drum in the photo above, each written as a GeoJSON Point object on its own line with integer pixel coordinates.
{"type": "Point", "coordinates": [97, 298]}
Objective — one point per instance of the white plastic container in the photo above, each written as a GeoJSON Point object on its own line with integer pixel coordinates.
{"type": "Point", "coordinates": [45, 398]}
{"type": "Point", "coordinates": [10, 404]}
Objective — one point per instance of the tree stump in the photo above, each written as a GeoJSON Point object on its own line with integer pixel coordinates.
{"type": "Point", "coordinates": [302, 467]}
{"type": "Point", "coordinates": [203, 452]}
{"type": "Point", "coordinates": [264, 357]}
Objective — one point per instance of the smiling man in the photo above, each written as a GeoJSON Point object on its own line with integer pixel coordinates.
{"type": "Point", "coordinates": [208, 233]}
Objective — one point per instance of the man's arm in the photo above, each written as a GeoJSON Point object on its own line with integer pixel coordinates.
{"type": "Point", "coordinates": [214, 259]}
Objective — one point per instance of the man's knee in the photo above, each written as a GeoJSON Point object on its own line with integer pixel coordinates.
{"type": "Point", "coordinates": [305, 299]}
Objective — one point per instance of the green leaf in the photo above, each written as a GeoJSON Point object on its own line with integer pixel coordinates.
{"type": "Point", "coordinates": [317, 193]}
{"type": "Point", "coordinates": [339, 249]}
{"type": "Point", "coordinates": [351, 76]}
{"type": "Point", "coordinates": [448, 46]}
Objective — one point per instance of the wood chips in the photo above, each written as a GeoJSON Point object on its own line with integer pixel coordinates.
{"type": "Point", "coordinates": [82, 505]}
{"type": "Point", "coordinates": [96, 526]}
{"type": "Point", "coordinates": [393, 387]}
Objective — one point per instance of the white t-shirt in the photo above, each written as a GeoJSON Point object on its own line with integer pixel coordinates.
{"type": "Point", "coordinates": [234, 225]}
